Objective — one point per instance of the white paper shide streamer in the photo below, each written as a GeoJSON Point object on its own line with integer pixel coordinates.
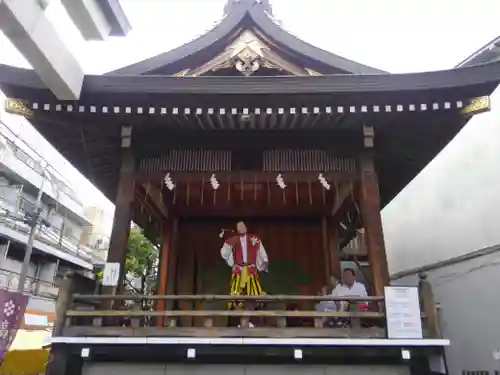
{"type": "Point", "coordinates": [280, 181]}
{"type": "Point", "coordinates": [213, 181]}
{"type": "Point", "coordinates": [168, 182]}
{"type": "Point", "coordinates": [322, 180]}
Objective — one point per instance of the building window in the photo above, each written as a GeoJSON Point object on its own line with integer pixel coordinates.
{"type": "Point", "coordinates": [68, 231]}
{"type": "Point", "coordinates": [26, 205]}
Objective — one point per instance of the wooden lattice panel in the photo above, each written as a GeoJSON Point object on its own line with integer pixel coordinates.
{"type": "Point", "coordinates": [306, 161]}
{"type": "Point", "coordinates": [189, 160]}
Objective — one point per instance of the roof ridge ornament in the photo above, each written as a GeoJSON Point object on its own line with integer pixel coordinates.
{"type": "Point", "coordinates": [232, 5]}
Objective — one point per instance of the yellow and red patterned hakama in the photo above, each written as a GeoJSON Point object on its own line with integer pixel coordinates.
{"type": "Point", "coordinates": [245, 283]}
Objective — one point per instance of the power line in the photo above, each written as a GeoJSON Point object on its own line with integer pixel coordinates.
{"type": "Point", "coordinates": [445, 279]}
{"type": "Point", "coordinates": [42, 160]}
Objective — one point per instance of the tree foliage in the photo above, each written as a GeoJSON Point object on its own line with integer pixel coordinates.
{"type": "Point", "coordinates": [142, 255]}
{"type": "Point", "coordinates": [141, 262]}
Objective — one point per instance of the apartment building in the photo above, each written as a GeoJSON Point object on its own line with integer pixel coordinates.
{"type": "Point", "coordinates": [95, 236]}
{"type": "Point", "coordinates": [57, 246]}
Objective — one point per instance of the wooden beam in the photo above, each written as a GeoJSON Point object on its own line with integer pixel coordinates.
{"type": "Point", "coordinates": [235, 313]}
{"type": "Point", "coordinates": [370, 212]}
{"type": "Point", "coordinates": [248, 210]}
{"type": "Point", "coordinates": [90, 331]}
{"type": "Point", "coordinates": [223, 297]}
{"type": "Point", "coordinates": [250, 177]}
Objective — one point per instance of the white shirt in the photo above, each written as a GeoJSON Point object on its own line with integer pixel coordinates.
{"type": "Point", "coordinates": [243, 241]}
{"type": "Point", "coordinates": [356, 290]}
{"type": "Point", "coordinates": [326, 306]}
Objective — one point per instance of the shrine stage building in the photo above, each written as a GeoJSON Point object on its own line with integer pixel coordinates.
{"type": "Point", "coordinates": [248, 123]}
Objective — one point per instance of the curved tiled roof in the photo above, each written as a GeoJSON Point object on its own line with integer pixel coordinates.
{"type": "Point", "coordinates": [335, 83]}
{"type": "Point", "coordinates": [250, 13]}
{"type": "Point", "coordinates": [488, 53]}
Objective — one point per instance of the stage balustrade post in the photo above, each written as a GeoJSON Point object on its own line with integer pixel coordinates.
{"type": "Point", "coordinates": [369, 198]}
{"type": "Point", "coordinates": [429, 306]}
{"type": "Point", "coordinates": [63, 303]}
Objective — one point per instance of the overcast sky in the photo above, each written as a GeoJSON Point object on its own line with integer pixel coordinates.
{"type": "Point", "coordinates": [397, 36]}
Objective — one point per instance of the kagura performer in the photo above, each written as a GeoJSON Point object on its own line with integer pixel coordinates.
{"type": "Point", "coordinates": [246, 255]}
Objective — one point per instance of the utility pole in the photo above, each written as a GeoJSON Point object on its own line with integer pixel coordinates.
{"type": "Point", "coordinates": [33, 222]}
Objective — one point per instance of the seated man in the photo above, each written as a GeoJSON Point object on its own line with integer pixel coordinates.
{"type": "Point", "coordinates": [350, 288]}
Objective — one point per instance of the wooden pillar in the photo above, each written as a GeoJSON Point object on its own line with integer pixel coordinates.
{"type": "Point", "coordinates": [334, 251]}
{"type": "Point", "coordinates": [326, 247]}
{"type": "Point", "coordinates": [163, 270]}
{"type": "Point", "coordinates": [123, 207]}
{"type": "Point", "coordinates": [172, 262]}
{"type": "Point", "coordinates": [369, 198]}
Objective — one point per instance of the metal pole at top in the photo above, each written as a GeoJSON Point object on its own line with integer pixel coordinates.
{"type": "Point", "coordinates": [33, 231]}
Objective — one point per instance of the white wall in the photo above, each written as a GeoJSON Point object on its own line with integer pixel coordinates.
{"type": "Point", "coordinates": [468, 313]}
{"type": "Point", "coordinates": [453, 206]}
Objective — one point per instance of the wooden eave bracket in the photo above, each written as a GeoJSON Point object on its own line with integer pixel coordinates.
{"type": "Point", "coordinates": [344, 193]}
{"type": "Point", "coordinates": [154, 194]}
{"type": "Point", "coordinates": [369, 136]}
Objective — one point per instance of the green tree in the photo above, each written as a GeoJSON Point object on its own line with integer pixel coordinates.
{"type": "Point", "coordinates": [141, 262]}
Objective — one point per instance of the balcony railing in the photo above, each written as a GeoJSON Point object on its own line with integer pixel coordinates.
{"type": "Point", "coordinates": [78, 316]}
{"type": "Point", "coordinates": [10, 280]}
{"type": "Point", "coordinates": [50, 236]}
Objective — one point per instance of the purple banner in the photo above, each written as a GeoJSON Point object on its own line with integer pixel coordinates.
{"type": "Point", "coordinates": [12, 308]}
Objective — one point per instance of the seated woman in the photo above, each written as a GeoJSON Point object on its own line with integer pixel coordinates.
{"type": "Point", "coordinates": [328, 306]}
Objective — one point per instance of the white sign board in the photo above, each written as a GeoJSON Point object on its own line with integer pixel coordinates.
{"type": "Point", "coordinates": [111, 274]}
{"type": "Point", "coordinates": [402, 308]}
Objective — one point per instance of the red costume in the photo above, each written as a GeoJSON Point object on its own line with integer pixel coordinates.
{"type": "Point", "coordinates": [251, 253]}
{"type": "Point", "coordinates": [246, 255]}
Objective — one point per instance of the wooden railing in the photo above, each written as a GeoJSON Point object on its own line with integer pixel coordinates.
{"type": "Point", "coordinates": [105, 315]}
